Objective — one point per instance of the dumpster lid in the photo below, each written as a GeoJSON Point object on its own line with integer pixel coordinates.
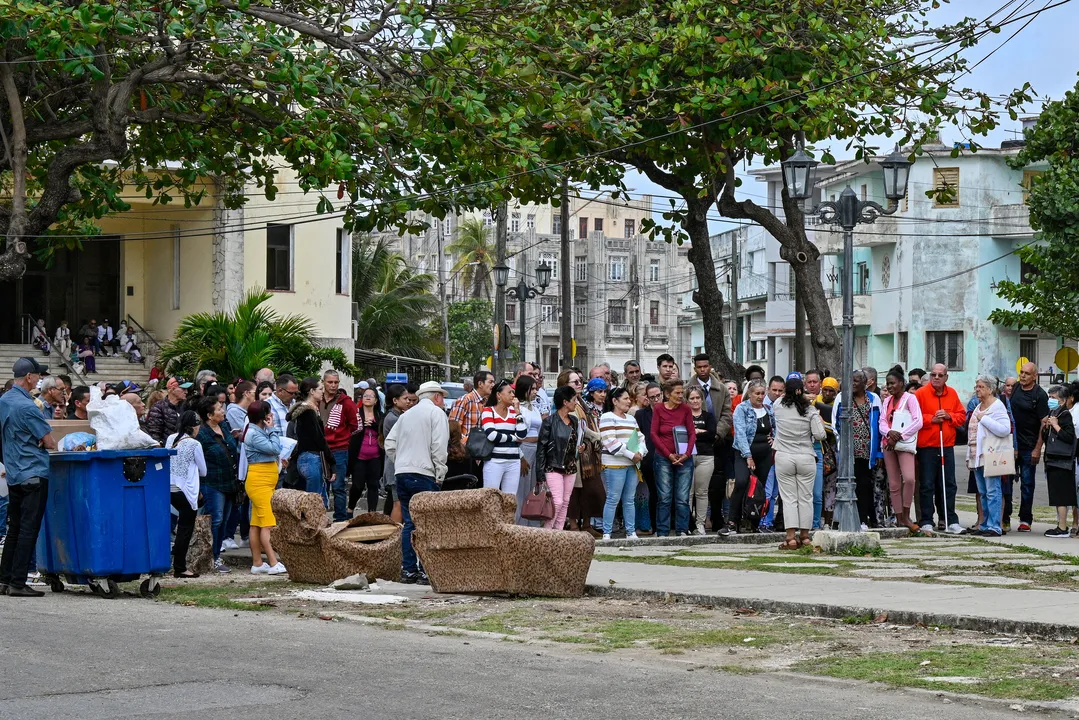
{"type": "Point", "coordinates": [87, 455]}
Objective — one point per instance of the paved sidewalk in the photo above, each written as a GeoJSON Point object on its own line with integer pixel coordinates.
{"type": "Point", "coordinates": [1051, 613]}
{"type": "Point", "coordinates": [1035, 538]}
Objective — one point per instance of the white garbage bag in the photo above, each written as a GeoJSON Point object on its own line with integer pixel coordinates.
{"type": "Point", "coordinates": [115, 423]}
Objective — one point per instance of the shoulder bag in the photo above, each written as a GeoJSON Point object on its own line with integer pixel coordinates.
{"type": "Point", "coordinates": [900, 421]}
{"type": "Point", "coordinates": [998, 456]}
{"type": "Point", "coordinates": [479, 446]}
{"type": "Point", "coordinates": [1058, 454]}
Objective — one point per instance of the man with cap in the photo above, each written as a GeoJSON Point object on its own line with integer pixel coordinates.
{"type": "Point", "coordinates": [161, 422]}
{"type": "Point", "coordinates": [26, 442]}
{"type": "Point", "coordinates": [417, 446]}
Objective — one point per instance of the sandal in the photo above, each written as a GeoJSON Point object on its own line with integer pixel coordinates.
{"type": "Point", "coordinates": [791, 544]}
{"type": "Point", "coordinates": [802, 542]}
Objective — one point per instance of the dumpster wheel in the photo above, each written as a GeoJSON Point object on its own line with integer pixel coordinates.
{"type": "Point", "coordinates": [150, 588]}
{"type": "Point", "coordinates": [105, 588]}
{"type": "Point", "coordinates": [54, 582]}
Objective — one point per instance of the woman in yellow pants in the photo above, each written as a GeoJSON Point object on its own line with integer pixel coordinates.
{"type": "Point", "coordinates": [263, 445]}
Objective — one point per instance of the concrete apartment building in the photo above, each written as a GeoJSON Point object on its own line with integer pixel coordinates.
{"type": "Point", "coordinates": [924, 278]}
{"type": "Point", "coordinates": [627, 290]}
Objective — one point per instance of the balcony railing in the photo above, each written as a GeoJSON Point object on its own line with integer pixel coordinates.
{"type": "Point", "coordinates": [619, 329]}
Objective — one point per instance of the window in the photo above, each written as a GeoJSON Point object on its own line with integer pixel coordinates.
{"type": "Point", "coordinates": [861, 278]}
{"type": "Point", "coordinates": [549, 310]}
{"type": "Point", "coordinates": [530, 221]}
{"type": "Point", "coordinates": [551, 261]}
{"type": "Point", "coordinates": [580, 314]}
{"type": "Point", "coordinates": [616, 268]}
{"type": "Point", "coordinates": [515, 221]}
{"type": "Point", "coordinates": [861, 351]}
{"type": "Point", "coordinates": [581, 268]}
{"type": "Point", "coordinates": [1028, 348]}
{"type": "Point", "coordinates": [344, 261]}
{"type": "Point", "coordinates": [653, 270]}
{"type": "Point", "coordinates": [599, 225]}
{"type": "Point", "coordinates": [944, 347]}
{"type": "Point", "coordinates": [904, 349]}
{"type": "Point", "coordinates": [278, 257]}
{"type": "Point", "coordinates": [582, 228]}
{"type": "Point", "coordinates": [616, 312]}
{"type": "Point", "coordinates": [511, 312]}
{"type": "Point", "coordinates": [946, 180]}
{"type": "Point", "coordinates": [556, 222]}
{"type": "Point", "coordinates": [1028, 181]}
{"type": "Point", "coordinates": [631, 227]}
{"type": "Point", "coordinates": [488, 218]}
{"type": "Point", "coordinates": [865, 191]}
{"type": "Point", "coordinates": [1028, 273]}
{"type": "Point", "coordinates": [653, 312]}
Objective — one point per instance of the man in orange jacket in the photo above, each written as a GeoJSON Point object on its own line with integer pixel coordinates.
{"type": "Point", "coordinates": [942, 413]}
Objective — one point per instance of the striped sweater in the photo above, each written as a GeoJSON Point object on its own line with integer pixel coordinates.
{"type": "Point", "coordinates": [505, 432]}
{"type": "Point", "coordinates": [615, 433]}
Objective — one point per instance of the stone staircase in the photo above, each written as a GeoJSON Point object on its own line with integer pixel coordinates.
{"type": "Point", "coordinates": [109, 369]}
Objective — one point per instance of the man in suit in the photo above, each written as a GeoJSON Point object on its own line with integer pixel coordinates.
{"type": "Point", "coordinates": [718, 402]}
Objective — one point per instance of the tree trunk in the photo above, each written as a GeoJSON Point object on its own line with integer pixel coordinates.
{"type": "Point", "coordinates": [822, 332]}
{"type": "Point", "coordinates": [708, 296]}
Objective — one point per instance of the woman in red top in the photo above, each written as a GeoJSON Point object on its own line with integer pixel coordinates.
{"type": "Point", "coordinates": [673, 465]}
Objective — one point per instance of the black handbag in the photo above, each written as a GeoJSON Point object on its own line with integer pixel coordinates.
{"type": "Point", "coordinates": [479, 446]}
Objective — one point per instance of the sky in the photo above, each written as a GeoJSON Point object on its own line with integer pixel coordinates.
{"type": "Point", "coordinates": [1043, 54]}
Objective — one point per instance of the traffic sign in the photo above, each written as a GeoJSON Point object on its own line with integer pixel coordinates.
{"type": "Point", "coordinates": [1020, 363]}
{"type": "Point", "coordinates": [573, 348]}
{"type": "Point", "coordinates": [397, 378]}
{"type": "Point", "coordinates": [1067, 359]}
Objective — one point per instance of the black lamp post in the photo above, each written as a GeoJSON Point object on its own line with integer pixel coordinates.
{"type": "Point", "coordinates": [847, 212]}
{"type": "Point", "coordinates": [523, 292]}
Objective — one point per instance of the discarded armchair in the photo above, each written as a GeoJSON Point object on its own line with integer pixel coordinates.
{"type": "Point", "coordinates": [316, 552]}
{"type": "Point", "coordinates": [467, 542]}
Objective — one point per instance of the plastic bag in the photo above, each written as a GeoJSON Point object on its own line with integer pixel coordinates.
{"type": "Point", "coordinates": [116, 424]}
{"type": "Point", "coordinates": [77, 441]}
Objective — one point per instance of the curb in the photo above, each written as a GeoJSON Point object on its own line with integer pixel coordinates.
{"type": "Point", "coordinates": [1046, 631]}
{"type": "Point", "coordinates": [739, 539]}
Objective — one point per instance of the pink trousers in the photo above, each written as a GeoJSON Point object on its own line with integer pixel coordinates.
{"type": "Point", "coordinates": [561, 488]}
{"type": "Point", "coordinates": [900, 469]}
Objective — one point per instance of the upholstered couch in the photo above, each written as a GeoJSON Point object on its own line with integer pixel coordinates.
{"type": "Point", "coordinates": [309, 548]}
{"type": "Point", "coordinates": [467, 542]}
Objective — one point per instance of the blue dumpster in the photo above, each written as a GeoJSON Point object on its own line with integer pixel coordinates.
{"type": "Point", "coordinates": [106, 520]}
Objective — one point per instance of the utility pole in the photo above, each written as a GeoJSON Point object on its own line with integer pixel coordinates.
{"type": "Point", "coordinates": [444, 304]}
{"type": "Point", "coordinates": [732, 301]}
{"type": "Point", "coordinates": [499, 359]}
{"type": "Point", "coordinates": [635, 292]}
{"type": "Point", "coordinates": [567, 281]}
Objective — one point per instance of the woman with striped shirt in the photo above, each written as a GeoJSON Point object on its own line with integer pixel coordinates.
{"type": "Point", "coordinates": [504, 426]}
{"type": "Point", "coordinates": [623, 448]}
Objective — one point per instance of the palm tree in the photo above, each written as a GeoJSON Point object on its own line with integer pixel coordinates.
{"type": "Point", "coordinates": [395, 301]}
{"type": "Point", "coordinates": [251, 337]}
{"type": "Point", "coordinates": [476, 256]}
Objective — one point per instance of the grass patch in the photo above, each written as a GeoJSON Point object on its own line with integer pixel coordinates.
{"type": "Point", "coordinates": [496, 623]}
{"type": "Point", "coordinates": [620, 634]}
{"type": "Point", "coordinates": [1014, 673]}
{"type": "Point", "coordinates": [218, 597]}
{"type": "Point", "coordinates": [858, 619]}
{"type": "Point", "coordinates": [737, 669]}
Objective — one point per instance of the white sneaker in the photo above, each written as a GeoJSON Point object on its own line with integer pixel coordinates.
{"type": "Point", "coordinates": [262, 569]}
{"type": "Point", "coordinates": [864, 527]}
{"type": "Point", "coordinates": [228, 544]}
{"type": "Point", "coordinates": [243, 543]}
{"type": "Point", "coordinates": [632, 536]}
{"type": "Point", "coordinates": [277, 569]}
{"type": "Point", "coordinates": [606, 536]}
{"type": "Point", "coordinates": [34, 578]}
{"type": "Point", "coordinates": [116, 354]}
{"type": "Point", "coordinates": [955, 529]}
{"type": "Point", "coordinates": [700, 531]}
{"type": "Point", "coordinates": [221, 567]}
{"type": "Point", "coordinates": [927, 529]}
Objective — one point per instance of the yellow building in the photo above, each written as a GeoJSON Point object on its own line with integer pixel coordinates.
{"type": "Point", "coordinates": [157, 264]}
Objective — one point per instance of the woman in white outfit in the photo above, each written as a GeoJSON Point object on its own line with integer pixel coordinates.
{"type": "Point", "coordinates": [185, 469]}
{"type": "Point", "coordinates": [798, 424]}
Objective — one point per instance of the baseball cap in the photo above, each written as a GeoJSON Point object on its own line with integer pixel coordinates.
{"type": "Point", "coordinates": [126, 386]}
{"type": "Point", "coordinates": [794, 376]}
{"type": "Point", "coordinates": [177, 382]}
{"type": "Point", "coordinates": [25, 365]}
{"type": "Point", "coordinates": [596, 384]}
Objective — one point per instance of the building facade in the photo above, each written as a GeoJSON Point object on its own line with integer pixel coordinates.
{"type": "Point", "coordinates": [627, 289]}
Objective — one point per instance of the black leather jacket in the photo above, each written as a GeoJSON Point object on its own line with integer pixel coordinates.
{"type": "Point", "coordinates": [553, 441]}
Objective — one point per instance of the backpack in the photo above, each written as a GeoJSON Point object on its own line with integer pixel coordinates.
{"type": "Point", "coordinates": [479, 446]}
{"type": "Point", "coordinates": [755, 506]}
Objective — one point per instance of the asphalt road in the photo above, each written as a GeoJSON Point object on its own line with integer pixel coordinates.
{"type": "Point", "coordinates": [74, 655]}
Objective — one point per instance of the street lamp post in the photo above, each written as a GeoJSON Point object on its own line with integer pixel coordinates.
{"type": "Point", "coordinates": [523, 292]}
{"type": "Point", "coordinates": [848, 212]}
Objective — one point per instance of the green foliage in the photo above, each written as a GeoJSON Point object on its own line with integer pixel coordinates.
{"type": "Point", "coordinates": [395, 301]}
{"type": "Point", "coordinates": [470, 333]}
{"type": "Point", "coordinates": [1046, 299]}
{"type": "Point", "coordinates": [241, 342]}
{"type": "Point", "coordinates": [475, 251]}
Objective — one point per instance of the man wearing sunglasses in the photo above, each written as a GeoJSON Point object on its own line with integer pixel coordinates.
{"type": "Point", "coordinates": [942, 413]}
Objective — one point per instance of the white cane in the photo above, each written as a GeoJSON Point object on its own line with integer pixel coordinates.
{"type": "Point", "coordinates": [943, 486]}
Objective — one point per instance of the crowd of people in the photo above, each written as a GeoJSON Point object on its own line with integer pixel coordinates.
{"type": "Point", "coordinates": [80, 350]}
{"type": "Point", "coordinates": [642, 454]}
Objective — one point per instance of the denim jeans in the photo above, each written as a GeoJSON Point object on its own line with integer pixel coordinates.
{"type": "Point", "coordinates": [309, 464]}
{"type": "Point", "coordinates": [676, 481]}
{"type": "Point", "coordinates": [818, 488]}
{"type": "Point", "coordinates": [340, 485]}
{"type": "Point", "coordinates": [218, 506]}
{"type": "Point", "coordinates": [409, 484]}
{"type": "Point", "coordinates": [771, 491]}
{"type": "Point", "coordinates": [989, 490]}
{"type": "Point", "coordinates": [929, 482]}
{"type": "Point", "coordinates": [1025, 470]}
{"type": "Point", "coordinates": [3, 516]}
{"type": "Point", "coordinates": [240, 518]}
{"type": "Point", "coordinates": [621, 485]}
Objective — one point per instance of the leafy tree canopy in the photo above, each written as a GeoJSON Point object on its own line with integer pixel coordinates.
{"type": "Point", "coordinates": [383, 102]}
{"type": "Point", "coordinates": [470, 333]}
{"type": "Point", "coordinates": [1047, 299]}
{"type": "Point", "coordinates": [395, 301]}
